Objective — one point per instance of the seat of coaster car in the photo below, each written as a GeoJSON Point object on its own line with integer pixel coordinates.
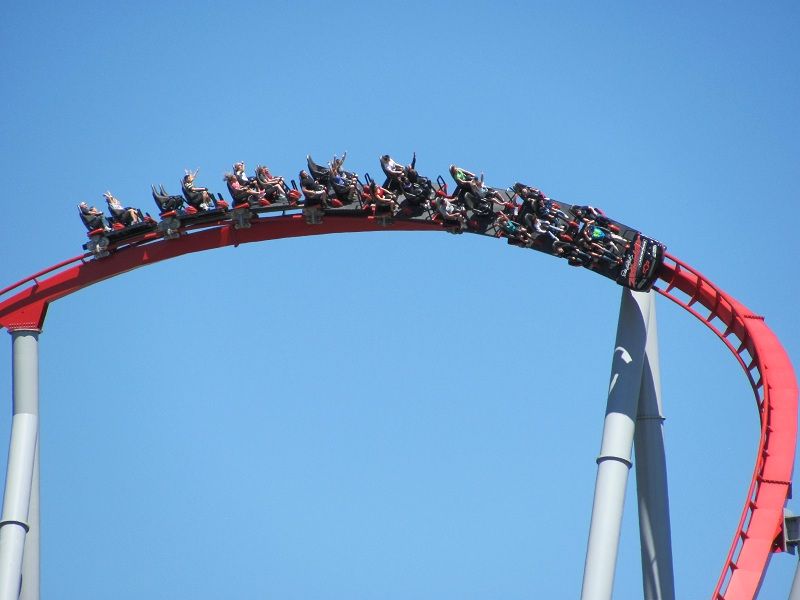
{"type": "Point", "coordinates": [264, 207]}
{"type": "Point", "coordinates": [449, 223]}
{"type": "Point", "coordinates": [91, 223]}
{"type": "Point", "coordinates": [172, 220]}
{"type": "Point", "coordinates": [95, 232]}
{"type": "Point", "coordinates": [316, 171]}
{"type": "Point", "coordinates": [120, 231]}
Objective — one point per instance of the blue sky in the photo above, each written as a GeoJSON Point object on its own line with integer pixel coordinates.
{"type": "Point", "coordinates": [388, 415]}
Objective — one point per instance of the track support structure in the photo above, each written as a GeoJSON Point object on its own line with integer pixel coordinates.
{"type": "Point", "coordinates": [655, 534]}
{"type": "Point", "coordinates": [30, 557]}
{"type": "Point", "coordinates": [14, 523]}
{"type": "Point", "coordinates": [614, 461]}
{"type": "Point", "coordinates": [794, 592]}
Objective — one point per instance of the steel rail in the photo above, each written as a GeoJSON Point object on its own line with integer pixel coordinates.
{"type": "Point", "coordinates": [753, 344]}
{"type": "Point", "coordinates": [771, 376]}
{"type": "Point", "coordinates": [28, 307]}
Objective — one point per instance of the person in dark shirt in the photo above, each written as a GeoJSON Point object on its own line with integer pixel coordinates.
{"type": "Point", "coordinates": [315, 193]}
{"type": "Point", "coordinates": [198, 197]}
{"type": "Point", "coordinates": [92, 217]}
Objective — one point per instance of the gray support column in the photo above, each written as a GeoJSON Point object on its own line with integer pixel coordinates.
{"type": "Point", "coordinates": [30, 557]}
{"type": "Point", "coordinates": [794, 593]}
{"type": "Point", "coordinates": [21, 454]}
{"type": "Point", "coordinates": [655, 536]}
{"type": "Point", "coordinates": [614, 461]}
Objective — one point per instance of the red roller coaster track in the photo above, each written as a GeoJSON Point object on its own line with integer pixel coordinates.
{"type": "Point", "coordinates": [755, 347]}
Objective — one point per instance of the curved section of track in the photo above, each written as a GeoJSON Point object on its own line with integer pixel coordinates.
{"type": "Point", "coordinates": [766, 364]}
{"type": "Point", "coordinates": [753, 344]}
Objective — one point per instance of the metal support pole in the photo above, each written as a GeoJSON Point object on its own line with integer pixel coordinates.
{"type": "Point", "coordinates": [30, 556]}
{"type": "Point", "coordinates": [794, 593]}
{"type": "Point", "coordinates": [614, 461]}
{"type": "Point", "coordinates": [658, 578]}
{"type": "Point", "coordinates": [24, 433]}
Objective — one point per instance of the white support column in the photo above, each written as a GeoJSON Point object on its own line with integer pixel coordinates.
{"type": "Point", "coordinates": [614, 461]}
{"type": "Point", "coordinates": [658, 578]}
{"type": "Point", "coordinates": [21, 457]}
{"type": "Point", "coordinates": [30, 557]}
{"type": "Point", "coordinates": [794, 593]}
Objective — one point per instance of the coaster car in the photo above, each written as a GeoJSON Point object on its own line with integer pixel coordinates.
{"type": "Point", "coordinates": [474, 194]}
{"type": "Point", "coordinates": [107, 234]}
{"type": "Point", "coordinates": [641, 263]}
{"type": "Point", "coordinates": [244, 211]}
{"type": "Point", "coordinates": [175, 212]}
{"type": "Point", "coordinates": [275, 189]}
{"type": "Point", "coordinates": [586, 237]}
{"type": "Point", "coordinates": [343, 186]}
{"type": "Point", "coordinates": [414, 192]}
{"type": "Point", "coordinates": [383, 202]}
{"type": "Point", "coordinates": [392, 170]}
{"type": "Point", "coordinates": [164, 201]}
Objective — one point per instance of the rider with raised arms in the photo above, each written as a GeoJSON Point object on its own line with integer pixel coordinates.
{"type": "Point", "coordinates": [126, 215]}
{"type": "Point", "coordinates": [197, 197]}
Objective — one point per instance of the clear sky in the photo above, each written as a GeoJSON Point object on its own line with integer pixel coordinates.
{"type": "Point", "coordinates": [388, 415]}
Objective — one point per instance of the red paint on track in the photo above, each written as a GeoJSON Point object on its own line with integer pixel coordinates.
{"type": "Point", "coordinates": [770, 373]}
{"type": "Point", "coordinates": [754, 345]}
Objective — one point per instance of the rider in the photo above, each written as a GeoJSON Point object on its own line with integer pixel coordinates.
{"type": "Point", "coordinates": [481, 198]}
{"type": "Point", "coordinates": [244, 194]}
{"type": "Point", "coordinates": [315, 193]}
{"type": "Point", "coordinates": [588, 214]}
{"type": "Point", "coordinates": [412, 175]}
{"type": "Point", "coordinates": [512, 229]}
{"type": "Point", "coordinates": [274, 188]}
{"type": "Point", "coordinates": [92, 217]}
{"type": "Point", "coordinates": [471, 190]}
{"type": "Point", "coordinates": [594, 241]}
{"type": "Point", "coordinates": [343, 183]}
{"type": "Point", "coordinates": [404, 177]}
{"type": "Point", "coordinates": [575, 256]}
{"type": "Point", "coordinates": [548, 229]}
{"type": "Point", "coordinates": [545, 208]}
{"type": "Point", "coordinates": [382, 198]}
{"type": "Point", "coordinates": [526, 211]}
{"type": "Point", "coordinates": [126, 216]}
{"type": "Point", "coordinates": [536, 205]}
{"type": "Point", "coordinates": [450, 211]}
{"type": "Point", "coordinates": [392, 169]}
{"type": "Point", "coordinates": [241, 176]}
{"type": "Point", "coordinates": [460, 175]}
{"type": "Point", "coordinates": [599, 235]}
{"type": "Point", "coordinates": [198, 197]}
